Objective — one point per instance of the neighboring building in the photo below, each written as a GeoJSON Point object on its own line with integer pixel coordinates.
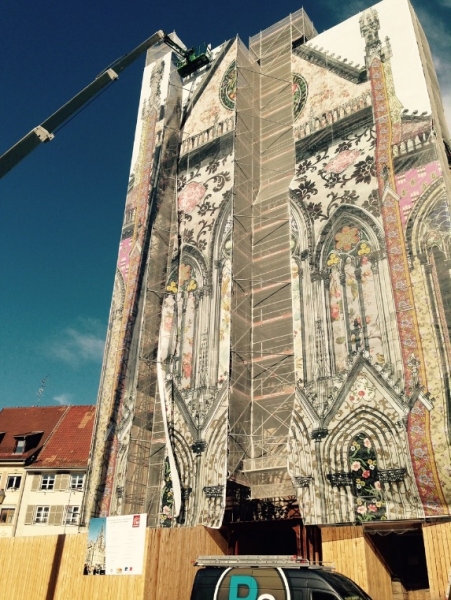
{"type": "Point", "coordinates": [278, 356]}
{"type": "Point", "coordinates": [55, 482]}
{"type": "Point", "coordinates": [44, 454]}
{"type": "Point", "coordinates": [23, 434]}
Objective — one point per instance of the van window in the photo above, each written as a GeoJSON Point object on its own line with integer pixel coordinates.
{"type": "Point", "coordinates": [323, 596]}
{"type": "Point", "coordinates": [347, 589]}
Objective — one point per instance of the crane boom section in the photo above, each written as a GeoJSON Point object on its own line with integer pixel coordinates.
{"type": "Point", "coordinates": [44, 132]}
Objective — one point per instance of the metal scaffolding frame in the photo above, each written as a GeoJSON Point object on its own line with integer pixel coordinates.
{"type": "Point", "coordinates": [261, 385]}
{"type": "Point", "coordinates": [264, 467]}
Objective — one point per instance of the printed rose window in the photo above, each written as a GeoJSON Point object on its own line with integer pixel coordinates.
{"type": "Point", "coordinates": [227, 89]}
{"type": "Point", "coordinates": [353, 305]}
{"type": "Point", "coordinates": [347, 238]}
{"type": "Point", "coordinates": [300, 91]}
{"type": "Point", "coordinates": [369, 499]}
{"type": "Point", "coordinates": [187, 278]}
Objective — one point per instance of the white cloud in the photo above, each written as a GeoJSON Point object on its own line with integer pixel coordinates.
{"type": "Point", "coordinates": [63, 399]}
{"type": "Point", "coordinates": [78, 345]}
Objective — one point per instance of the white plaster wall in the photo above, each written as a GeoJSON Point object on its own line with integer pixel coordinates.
{"type": "Point", "coordinates": [46, 498]}
{"type": "Point", "coordinates": [12, 498]}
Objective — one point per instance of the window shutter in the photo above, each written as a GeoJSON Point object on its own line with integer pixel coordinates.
{"type": "Point", "coordinates": [62, 482]}
{"type": "Point", "coordinates": [56, 515]}
{"type": "Point", "coordinates": [35, 483]}
{"type": "Point", "coordinates": [29, 515]}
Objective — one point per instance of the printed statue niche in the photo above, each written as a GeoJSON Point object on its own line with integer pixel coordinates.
{"type": "Point", "coordinates": [342, 298]}
{"type": "Point", "coordinates": [194, 353]}
{"type": "Point", "coordinates": [197, 320]}
{"type": "Point", "coordinates": [350, 405]}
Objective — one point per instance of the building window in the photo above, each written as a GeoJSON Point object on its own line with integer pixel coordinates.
{"type": "Point", "coordinates": [20, 446]}
{"type": "Point", "coordinates": [41, 516]}
{"type": "Point", "coordinates": [72, 515]}
{"type": "Point", "coordinates": [6, 516]}
{"type": "Point", "coordinates": [13, 482]}
{"type": "Point", "coordinates": [76, 481]}
{"type": "Point", "coordinates": [48, 482]}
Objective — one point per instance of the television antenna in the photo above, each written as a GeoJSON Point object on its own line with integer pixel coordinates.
{"type": "Point", "coordinates": [41, 389]}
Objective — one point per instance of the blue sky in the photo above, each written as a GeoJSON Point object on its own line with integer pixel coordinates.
{"type": "Point", "coordinates": [62, 206]}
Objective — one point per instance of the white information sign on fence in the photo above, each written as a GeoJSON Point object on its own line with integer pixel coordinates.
{"type": "Point", "coordinates": [125, 542]}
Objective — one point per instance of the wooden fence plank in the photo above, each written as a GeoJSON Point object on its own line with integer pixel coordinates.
{"type": "Point", "coordinates": [438, 557]}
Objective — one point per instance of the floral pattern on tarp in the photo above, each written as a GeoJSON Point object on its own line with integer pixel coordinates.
{"type": "Point", "coordinates": [342, 161]}
{"type": "Point", "coordinates": [190, 196]}
{"type": "Point", "coordinates": [200, 201]}
{"type": "Point", "coordinates": [167, 500]}
{"type": "Point", "coordinates": [369, 499]}
{"type": "Point", "coordinates": [324, 181]}
{"type": "Point", "coordinates": [194, 339]}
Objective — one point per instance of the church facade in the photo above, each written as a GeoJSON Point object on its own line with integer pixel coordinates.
{"type": "Point", "coordinates": [278, 345]}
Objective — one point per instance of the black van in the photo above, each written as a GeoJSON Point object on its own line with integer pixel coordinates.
{"type": "Point", "coordinates": [270, 578]}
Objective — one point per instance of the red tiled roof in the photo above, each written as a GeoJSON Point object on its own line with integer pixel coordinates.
{"type": "Point", "coordinates": [41, 420]}
{"type": "Point", "coordinates": [69, 446]}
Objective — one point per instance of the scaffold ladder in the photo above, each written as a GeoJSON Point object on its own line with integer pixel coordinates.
{"type": "Point", "coordinates": [251, 560]}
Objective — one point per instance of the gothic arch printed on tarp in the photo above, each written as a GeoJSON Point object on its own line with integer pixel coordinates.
{"type": "Point", "coordinates": [302, 462]}
{"type": "Point", "coordinates": [428, 237]}
{"type": "Point", "coordinates": [416, 231]}
{"type": "Point", "coordinates": [367, 465]}
{"type": "Point", "coordinates": [351, 256]}
{"type": "Point", "coordinates": [195, 350]}
{"type": "Point", "coordinates": [343, 301]}
{"type": "Point", "coordinates": [364, 400]}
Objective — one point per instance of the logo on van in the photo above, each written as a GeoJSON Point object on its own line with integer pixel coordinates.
{"type": "Point", "coordinates": [247, 584]}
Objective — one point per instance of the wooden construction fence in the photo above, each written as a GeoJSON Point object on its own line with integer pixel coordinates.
{"type": "Point", "coordinates": [437, 544]}
{"type": "Point", "coordinates": [354, 556]}
{"type": "Point", "coordinates": [51, 567]}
